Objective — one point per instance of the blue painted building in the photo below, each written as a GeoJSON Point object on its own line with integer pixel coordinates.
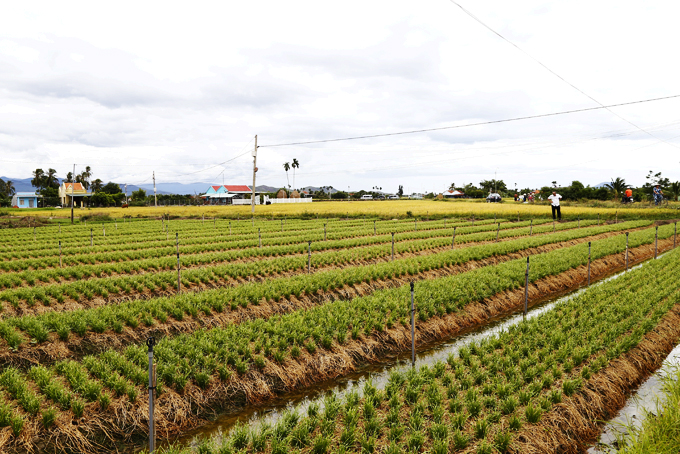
{"type": "Point", "coordinates": [25, 200]}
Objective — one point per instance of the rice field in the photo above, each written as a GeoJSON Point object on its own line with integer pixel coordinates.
{"type": "Point", "coordinates": [245, 310]}
{"type": "Point", "coordinates": [384, 209]}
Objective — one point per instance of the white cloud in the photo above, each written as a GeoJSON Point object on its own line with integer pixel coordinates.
{"type": "Point", "coordinates": [132, 87]}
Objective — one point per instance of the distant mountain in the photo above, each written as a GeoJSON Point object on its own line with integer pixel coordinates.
{"type": "Point", "coordinates": [601, 185]}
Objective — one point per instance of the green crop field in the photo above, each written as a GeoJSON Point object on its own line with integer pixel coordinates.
{"type": "Point", "coordinates": [247, 310]}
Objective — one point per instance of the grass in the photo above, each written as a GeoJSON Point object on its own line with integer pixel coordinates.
{"type": "Point", "coordinates": [660, 431]}
{"type": "Point", "coordinates": [384, 209]}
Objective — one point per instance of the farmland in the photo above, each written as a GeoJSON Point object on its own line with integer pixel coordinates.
{"type": "Point", "coordinates": [244, 310]}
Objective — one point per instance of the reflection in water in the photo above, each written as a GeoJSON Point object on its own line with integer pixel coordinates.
{"type": "Point", "coordinates": [632, 415]}
{"type": "Point", "coordinates": [378, 373]}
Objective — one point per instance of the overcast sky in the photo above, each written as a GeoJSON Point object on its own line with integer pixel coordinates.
{"type": "Point", "coordinates": [180, 87]}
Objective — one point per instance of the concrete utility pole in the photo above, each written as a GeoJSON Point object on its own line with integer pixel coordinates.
{"type": "Point", "coordinates": [73, 182]}
{"type": "Point", "coordinates": [155, 201]}
{"type": "Point", "coordinates": [126, 200]}
{"type": "Point", "coordinates": [252, 198]}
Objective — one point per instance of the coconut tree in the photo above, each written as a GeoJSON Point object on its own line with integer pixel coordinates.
{"type": "Point", "coordinates": [38, 180]}
{"type": "Point", "coordinates": [84, 177]}
{"type": "Point", "coordinates": [295, 165]}
{"type": "Point", "coordinates": [286, 167]}
{"type": "Point", "coordinates": [617, 186]}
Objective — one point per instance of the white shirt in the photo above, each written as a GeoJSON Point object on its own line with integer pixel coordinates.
{"type": "Point", "coordinates": [555, 199]}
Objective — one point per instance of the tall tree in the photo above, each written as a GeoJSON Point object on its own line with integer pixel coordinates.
{"type": "Point", "coordinates": [674, 189]}
{"type": "Point", "coordinates": [69, 177]}
{"type": "Point", "coordinates": [7, 188]}
{"type": "Point", "coordinates": [84, 177]}
{"type": "Point", "coordinates": [452, 187]}
{"type": "Point", "coordinates": [38, 180]}
{"type": "Point", "coordinates": [617, 186]}
{"type": "Point", "coordinates": [295, 165]}
{"type": "Point", "coordinates": [400, 192]}
{"type": "Point", "coordinates": [97, 185]}
{"type": "Point", "coordinates": [51, 180]}
{"type": "Point", "coordinates": [286, 167]}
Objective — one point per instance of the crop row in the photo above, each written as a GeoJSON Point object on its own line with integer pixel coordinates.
{"type": "Point", "coordinates": [123, 242]}
{"type": "Point", "coordinates": [469, 287]}
{"type": "Point", "coordinates": [406, 242]}
{"type": "Point", "coordinates": [474, 401]}
{"type": "Point", "coordinates": [270, 246]}
{"type": "Point", "coordinates": [148, 311]}
{"type": "Point", "coordinates": [479, 399]}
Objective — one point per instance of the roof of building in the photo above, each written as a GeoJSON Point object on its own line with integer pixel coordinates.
{"type": "Point", "coordinates": [237, 188]}
{"type": "Point", "coordinates": [76, 186]}
{"type": "Point", "coordinates": [26, 194]}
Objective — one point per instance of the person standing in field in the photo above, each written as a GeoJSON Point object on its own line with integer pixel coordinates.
{"type": "Point", "coordinates": [555, 204]}
{"type": "Point", "coordinates": [658, 194]}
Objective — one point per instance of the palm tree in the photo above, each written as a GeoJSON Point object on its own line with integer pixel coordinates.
{"type": "Point", "coordinates": [295, 165]}
{"type": "Point", "coordinates": [452, 187]}
{"type": "Point", "coordinates": [8, 188]}
{"type": "Point", "coordinates": [97, 185]}
{"type": "Point", "coordinates": [617, 186]}
{"type": "Point", "coordinates": [38, 180]}
{"type": "Point", "coordinates": [51, 180]}
{"type": "Point", "coordinates": [84, 178]}
{"type": "Point", "coordinates": [286, 167]}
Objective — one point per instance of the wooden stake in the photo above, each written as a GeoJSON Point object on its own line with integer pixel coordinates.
{"type": "Point", "coordinates": [413, 329]}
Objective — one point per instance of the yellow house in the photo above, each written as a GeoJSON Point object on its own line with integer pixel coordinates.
{"type": "Point", "coordinates": [69, 190]}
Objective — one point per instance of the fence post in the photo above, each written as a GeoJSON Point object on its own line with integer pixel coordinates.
{"type": "Point", "coordinates": [579, 222]}
{"type": "Point", "coordinates": [415, 221]}
{"type": "Point", "coordinates": [59, 253]}
{"type": "Point", "coordinates": [60, 227]}
{"type": "Point", "coordinates": [178, 272]}
{"type": "Point", "coordinates": [259, 238]}
{"type": "Point", "coordinates": [413, 329]}
{"type": "Point", "coordinates": [393, 246]}
{"type": "Point", "coordinates": [656, 241]}
{"type": "Point", "coordinates": [598, 219]}
{"type": "Point", "coordinates": [553, 226]}
{"type": "Point", "coordinates": [588, 263]}
{"type": "Point", "coordinates": [150, 342]}
{"type": "Point", "coordinates": [35, 236]}
{"type": "Point", "coordinates": [229, 227]}
{"type": "Point", "coordinates": [531, 227]}
{"type": "Point", "coordinates": [324, 232]}
{"type": "Point", "coordinates": [91, 237]}
{"type": "Point", "coordinates": [309, 257]}
{"type": "Point", "coordinates": [374, 230]}
{"type": "Point", "coordinates": [627, 233]}
{"type": "Point", "coordinates": [453, 240]}
{"type": "Point", "coordinates": [526, 289]}
{"type": "Point", "coordinates": [675, 234]}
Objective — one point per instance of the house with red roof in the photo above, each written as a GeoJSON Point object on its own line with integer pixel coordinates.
{"type": "Point", "coordinates": [75, 191]}
{"type": "Point", "coordinates": [226, 194]}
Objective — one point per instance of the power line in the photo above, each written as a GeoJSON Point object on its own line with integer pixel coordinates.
{"type": "Point", "coordinates": [467, 125]}
{"type": "Point", "coordinates": [554, 73]}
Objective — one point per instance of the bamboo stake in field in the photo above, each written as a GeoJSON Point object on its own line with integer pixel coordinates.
{"type": "Point", "coordinates": [598, 219]}
{"type": "Point", "coordinates": [579, 222]}
{"type": "Point", "coordinates": [526, 289]}
{"type": "Point", "coordinates": [309, 257]}
{"type": "Point", "coordinates": [627, 233]}
{"type": "Point", "coordinates": [656, 241]}
{"type": "Point", "coordinates": [393, 246]}
{"type": "Point", "coordinates": [413, 329]}
{"type": "Point", "coordinates": [35, 236]}
{"type": "Point", "coordinates": [60, 227]}
{"type": "Point", "coordinates": [553, 226]}
{"type": "Point", "coordinates": [259, 237]}
{"type": "Point", "coordinates": [588, 263]}
{"type": "Point", "coordinates": [150, 342]}
{"type": "Point", "coordinates": [59, 254]}
{"type": "Point", "coordinates": [415, 224]}
{"type": "Point", "coordinates": [91, 237]}
{"type": "Point", "coordinates": [324, 232]}
{"type": "Point", "coordinates": [531, 227]}
{"type": "Point", "coordinates": [229, 227]}
{"type": "Point", "coordinates": [498, 229]}
{"type": "Point", "coordinates": [675, 234]}
{"type": "Point", "coordinates": [178, 268]}
{"type": "Point", "coordinates": [374, 230]}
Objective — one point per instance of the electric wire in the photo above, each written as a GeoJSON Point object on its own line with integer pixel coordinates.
{"type": "Point", "coordinates": [555, 74]}
{"type": "Point", "coordinates": [467, 125]}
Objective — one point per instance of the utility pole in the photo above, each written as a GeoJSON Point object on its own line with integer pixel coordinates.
{"type": "Point", "coordinates": [73, 182]}
{"type": "Point", "coordinates": [126, 200]}
{"type": "Point", "coordinates": [252, 198]}
{"type": "Point", "coordinates": [155, 200]}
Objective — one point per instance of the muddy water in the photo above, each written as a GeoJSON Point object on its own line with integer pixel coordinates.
{"type": "Point", "coordinates": [378, 373]}
{"type": "Point", "coordinates": [643, 400]}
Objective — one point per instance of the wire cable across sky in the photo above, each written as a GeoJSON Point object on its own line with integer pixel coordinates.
{"type": "Point", "coordinates": [467, 125]}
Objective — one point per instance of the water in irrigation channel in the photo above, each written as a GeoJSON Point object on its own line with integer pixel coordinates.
{"type": "Point", "coordinates": [378, 373]}
{"type": "Point", "coordinates": [638, 404]}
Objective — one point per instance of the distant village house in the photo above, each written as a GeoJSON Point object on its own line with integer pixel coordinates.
{"type": "Point", "coordinates": [25, 200]}
{"type": "Point", "coordinates": [75, 191]}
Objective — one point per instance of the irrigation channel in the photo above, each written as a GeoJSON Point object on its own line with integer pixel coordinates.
{"type": "Point", "coordinates": [377, 373]}
{"type": "Point", "coordinates": [643, 400]}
